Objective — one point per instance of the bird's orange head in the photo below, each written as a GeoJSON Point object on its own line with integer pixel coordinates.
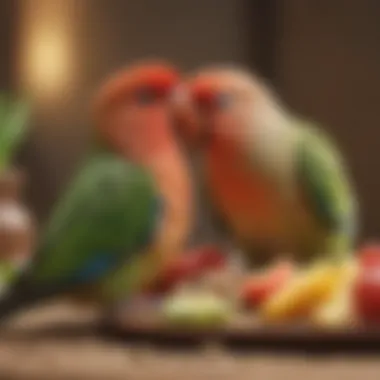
{"type": "Point", "coordinates": [132, 110]}
{"type": "Point", "coordinates": [218, 105]}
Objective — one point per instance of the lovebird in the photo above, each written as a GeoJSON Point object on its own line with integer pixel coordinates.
{"type": "Point", "coordinates": [168, 167]}
{"type": "Point", "coordinates": [112, 209]}
{"type": "Point", "coordinates": [276, 181]}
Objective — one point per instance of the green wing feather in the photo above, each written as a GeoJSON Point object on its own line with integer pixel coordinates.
{"type": "Point", "coordinates": [324, 183]}
{"type": "Point", "coordinates": [14, 117]}
{"type": "Point", "coordinates": [106, 211]}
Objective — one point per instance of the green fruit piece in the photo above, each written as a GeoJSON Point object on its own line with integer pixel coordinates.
{"type": "Point", "coordinates": [197, 310]}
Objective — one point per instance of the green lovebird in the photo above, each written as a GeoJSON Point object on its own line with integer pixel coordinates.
{"type": "Point", "coordinates": [277, 181]}
{"type": "Point", "coordinates": [111, 209]}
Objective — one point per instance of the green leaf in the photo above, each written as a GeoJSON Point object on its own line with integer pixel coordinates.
{"type": "Point", "coordinates": [14, 117]}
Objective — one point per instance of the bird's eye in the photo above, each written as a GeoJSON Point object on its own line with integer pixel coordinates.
{"type": "Point", "coordinates": [223, 100]}
{"type": "Point", "coordinates": [145, 96]}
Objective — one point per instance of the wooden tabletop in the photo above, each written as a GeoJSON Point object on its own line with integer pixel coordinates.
{"type": "Point", "coordinates": [60, 343]}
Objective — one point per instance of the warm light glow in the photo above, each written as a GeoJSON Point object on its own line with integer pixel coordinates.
{"type": "Point", "coordinates": [47, 66]}
{"type": "Point", "coordinates": [46, 52]}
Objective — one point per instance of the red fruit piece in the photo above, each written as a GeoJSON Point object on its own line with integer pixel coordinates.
{"type": "Point", "coordinates": [210, 257]}
{"type": "Point", "coordinates": [366, 295]}
{"type": "Point", "coordinates": [369, 255]}
{"type": "Point", "coordinates": [260, 287]}
{"type": "Point", "coordinates": [189, 265]}
{"type": "Point", "coordinates": [179, 270]}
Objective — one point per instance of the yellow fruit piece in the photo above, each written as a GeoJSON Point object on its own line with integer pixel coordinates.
{"type": "Point", "coordinates": [337, 311]}
{"type": "Point", "coordinates": [302, 295]}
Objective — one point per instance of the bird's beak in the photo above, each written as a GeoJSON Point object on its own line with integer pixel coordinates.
{"type": "Point", "coordinates": [179, 99]}
{"type": "Point", "coordinates": [182, 112]}
{"type": "Point", "coordinates": [187, 120]}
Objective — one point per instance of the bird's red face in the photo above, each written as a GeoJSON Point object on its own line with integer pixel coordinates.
{"type": "Point", "coordinates": [133, 111]}
{"type": "Point", "coordinates": [208, 112]}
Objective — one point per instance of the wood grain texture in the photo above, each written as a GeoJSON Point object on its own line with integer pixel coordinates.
{"type": "Point", "coordinates": [33, 349]}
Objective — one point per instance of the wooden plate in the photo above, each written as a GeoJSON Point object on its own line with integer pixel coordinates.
{"type": "Point", "coordinates": [246, 334]}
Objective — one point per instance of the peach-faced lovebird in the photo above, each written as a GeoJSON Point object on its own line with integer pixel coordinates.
{"type": "Point", "coordinates": [114, 209]}
{"type": "Point", "coordinates": [276, 180]}
{"type": "Point", "coordinates": [163, 159]}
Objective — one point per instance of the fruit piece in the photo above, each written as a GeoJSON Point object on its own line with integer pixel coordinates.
{"type": "Point", "coordinates": [304, 293]}
{"type": "Point", "coordinates": [210, 257]}
{"type": "Point", "coordinates": [259, 287]}
{"type": "Point", "coordinates": [178, 271]}
{"type": "Point", "coordinates": [369, 255]}
{"type": "Point", "coordinates": [338, 310]}
{"type": "Point", "coordinates": [191, 264]}
{"type": "Point", "coordinates": [197, 310]}
{"type": "Point", "coordinates": [366, 295]}
{"type": "Point", "coordinates": [366, 292]}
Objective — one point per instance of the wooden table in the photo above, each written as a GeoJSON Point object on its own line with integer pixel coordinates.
{"type": "Point", "coordinates": [33, 349]}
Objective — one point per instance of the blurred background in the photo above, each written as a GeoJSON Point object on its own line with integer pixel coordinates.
{"type": "Point", "coordinates": [322, 56]}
